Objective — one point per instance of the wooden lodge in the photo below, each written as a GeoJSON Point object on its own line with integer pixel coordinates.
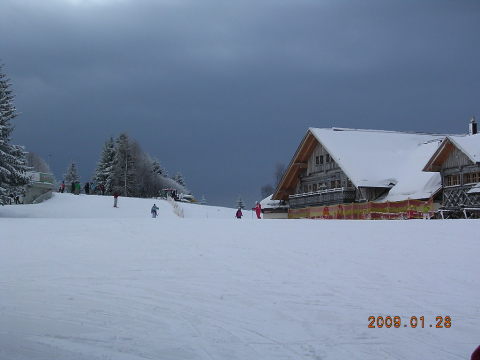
{"type": "Point", "coordinates": [333, 169]}
{"type": "Point", "coordinates": [457, 159]}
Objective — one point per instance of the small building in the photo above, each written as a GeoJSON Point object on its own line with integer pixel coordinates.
{"type": "Point", "coordinates": [337, 166]}
{"type": "Point", "coordinates": [457, 160]}
{"type": "Point", "coordinates": [40, 187]}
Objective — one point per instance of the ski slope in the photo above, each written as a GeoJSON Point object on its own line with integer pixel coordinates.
{"type": "Point", "coordinates": [81, 280]}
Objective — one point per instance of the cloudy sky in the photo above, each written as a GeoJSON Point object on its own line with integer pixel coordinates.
{"type": "Point", "coordinates": [223, 90]}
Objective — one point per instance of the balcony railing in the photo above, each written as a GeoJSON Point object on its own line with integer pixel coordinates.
{"type": "Point", "coordinates": [322, 197]}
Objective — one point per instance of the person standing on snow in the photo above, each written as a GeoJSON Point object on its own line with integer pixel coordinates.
{"type": "Point", "coordinates": [116, 194]}
{"type": "Point", "coordinates": [62, 187]}
{"type": "Point", "coordinates": [239, 214]}
{"type": "Point", "coordinates": [72, 188]}
{"type": "Point", "coordinates": [258, 210]}
{"type": "Point", "coordinates": [87, 188]}
{"type": "Point", "coordinates": [78, 188]}
{"type": "Point", "coordinates": [154, 210]}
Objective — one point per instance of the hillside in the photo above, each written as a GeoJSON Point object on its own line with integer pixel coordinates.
{"type": "Point", "coordinates": [82, 280]}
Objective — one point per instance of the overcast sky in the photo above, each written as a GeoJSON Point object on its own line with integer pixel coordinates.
{"type": "Point", "coordinates": [222, 90]}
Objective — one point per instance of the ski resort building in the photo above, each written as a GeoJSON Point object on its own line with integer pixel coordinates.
{"type": "Point", "coordinates": [457, 159]}
{"type": "Point", "coordinates": [352, 173]}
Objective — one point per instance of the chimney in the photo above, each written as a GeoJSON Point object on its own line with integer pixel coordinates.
{"type": "Point", "coordinates": [472, 128]}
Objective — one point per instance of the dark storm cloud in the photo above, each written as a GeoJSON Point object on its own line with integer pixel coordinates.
{"type": "Point", "coordinates": [222, 90]}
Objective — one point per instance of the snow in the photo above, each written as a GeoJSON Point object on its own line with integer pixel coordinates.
{"type": "Point", "coordinates": [268, 203]}
{"type": "Point", "coordinates": [375, 158]}
{"type": "Point", "coordinates": [469, 145]}
{"type": "Point", "coordinates": [475, 189]}
{"type": "Point", "coordinates": [81, 280]}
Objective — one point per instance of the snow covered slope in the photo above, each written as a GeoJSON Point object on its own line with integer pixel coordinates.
{"type": "Point", "coordinates": [93, 206]}
{"type": "Point", "coordinates": [81, 280]}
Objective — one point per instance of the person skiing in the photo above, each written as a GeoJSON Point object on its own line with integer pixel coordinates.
{"type": "Point", "coordinates": [72, 188]}
{"type": "Point", "coordinates": [239, 214]}
{"type": "Point", "coordinates": [62, 187]}
{"type": "Point", "coordinates": [87, 188]}
{"type": "Point", "coordinates": [258, 210]}
{"type": "Point", "coordinates": [102, 189]}
{"type": "Point", "coordinates": [154, 210]}
{"type": "Point", "coordinates": [116, 194]}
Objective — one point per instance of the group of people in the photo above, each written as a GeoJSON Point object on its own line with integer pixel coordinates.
{"type": "Point", "coordinates": [76, 188]}
{"type": "Point", "coordinates": [257, 209]}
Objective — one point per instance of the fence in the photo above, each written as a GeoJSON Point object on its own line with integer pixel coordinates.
{"type": "Point", "coordinates": [398, 210]}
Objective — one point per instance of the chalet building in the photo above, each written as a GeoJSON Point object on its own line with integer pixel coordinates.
{"type": "Point", "coordinates": [341, 166]}
{"type": "Point", "coordinates": [457, 159]}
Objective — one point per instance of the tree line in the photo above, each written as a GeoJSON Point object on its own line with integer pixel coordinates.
{"type": "Point", "coordinates": [125, 168]}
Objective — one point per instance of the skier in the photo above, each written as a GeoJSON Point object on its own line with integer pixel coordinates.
{"type": "Point", "coordinates": [87, 188]}
{"type": "Point", "coordinates": [116, 194]}
{"type": "Point", "coordinates": [154, 210]}
{"type": "Point", "coordinates": [239, 213]}
{"type": "Point", "coordinates": [78, 188]}
{"type": "Point", "coordinates": [72, 188]}
{"type": "Point", "coordinates": [102, 189]}
{"type": "Point", "coordinates": [62, 187]}
{"type": "Point", "coordinates": [258, 210]}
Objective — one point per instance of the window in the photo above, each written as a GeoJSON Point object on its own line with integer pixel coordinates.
{"type": "Point", "coordinates": [471, 178]}
{"type": "Point", "coordinates": [317, 160]}
{"type": "Point", "coordinates": [327, 158]}
{"type": "Point", "coordinates": [452, 180]}
{"type": "Point", "coordinates": [305, 188]}
{"type": "Point", "coordinates": [314, 187]}
{"type": "Point", "coordinates": [321, 159]}
{"type": "Point", "coordinates": [332, 184]}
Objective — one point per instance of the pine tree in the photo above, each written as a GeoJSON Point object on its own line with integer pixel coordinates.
{"type": "Point", "coordinates": [179, 179]}
{"type": "Point", "coordinates": [13, 168]}
{"type": "Point", "coordinates": [240, 203]}
{"type": "Point", "coordinates": [71, 175]}
{"type": "Point", "coordinates": [157, 168]}
{"type": "Point", "coordinates": [104, 172]}
{"type": "Point", "coordinates": [123, 170]}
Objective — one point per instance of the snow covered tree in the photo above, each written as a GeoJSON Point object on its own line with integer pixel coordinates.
{"type": "Point", "coordinates": [179, 179]}
{"type": "Point", "coordinates": [13, 166]}
{"type": "Point", "coordinates": [124, 167]}
{"type": "Point", "coordinates": [71, 175]}
{"type": "Point", "coordinates": [104, 172]}
{"type": "Point", "coordinates": [157, 168]}
{"type": "Point", "coordinates": [240, 204]}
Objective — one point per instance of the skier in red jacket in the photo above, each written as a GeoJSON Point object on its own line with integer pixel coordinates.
{"type": "Point", "coordinates": [258, 210]}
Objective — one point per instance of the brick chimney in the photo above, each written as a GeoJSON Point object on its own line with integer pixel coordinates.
{"type": "Point", "coordinates": [472, 127]}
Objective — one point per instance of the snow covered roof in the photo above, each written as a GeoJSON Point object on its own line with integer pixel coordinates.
{"type": "Point", "coordinates": [382, 159]}
{"type": "Point", "coordinates": [469, 145]}
{"type": "Point", "coordinates": [374, 158]}
{"type": "Point", "coordinates": [268, 203]}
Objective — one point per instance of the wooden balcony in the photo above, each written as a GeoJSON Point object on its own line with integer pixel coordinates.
{"type": "Point", "coordinates": [322, 197]}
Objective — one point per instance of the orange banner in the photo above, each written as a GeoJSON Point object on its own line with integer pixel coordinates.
{"type": "Point", "coordinates": [399, 210]}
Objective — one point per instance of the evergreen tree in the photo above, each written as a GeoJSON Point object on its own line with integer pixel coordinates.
{"type": "Point", "coordinates": [13, 166]}
{"type": "Point", "coordinates": [71, 175]}
{"type": "Point", "coordinates": [157, 168]}
{"type": "Point", "coordinates": [104, 172]}
{"type": "Point", "coordinates": [123, 170]}
{"type": "Point", "coordinates": [240, 203]}
{"type": "Point", "coordinates": [179, 179]}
